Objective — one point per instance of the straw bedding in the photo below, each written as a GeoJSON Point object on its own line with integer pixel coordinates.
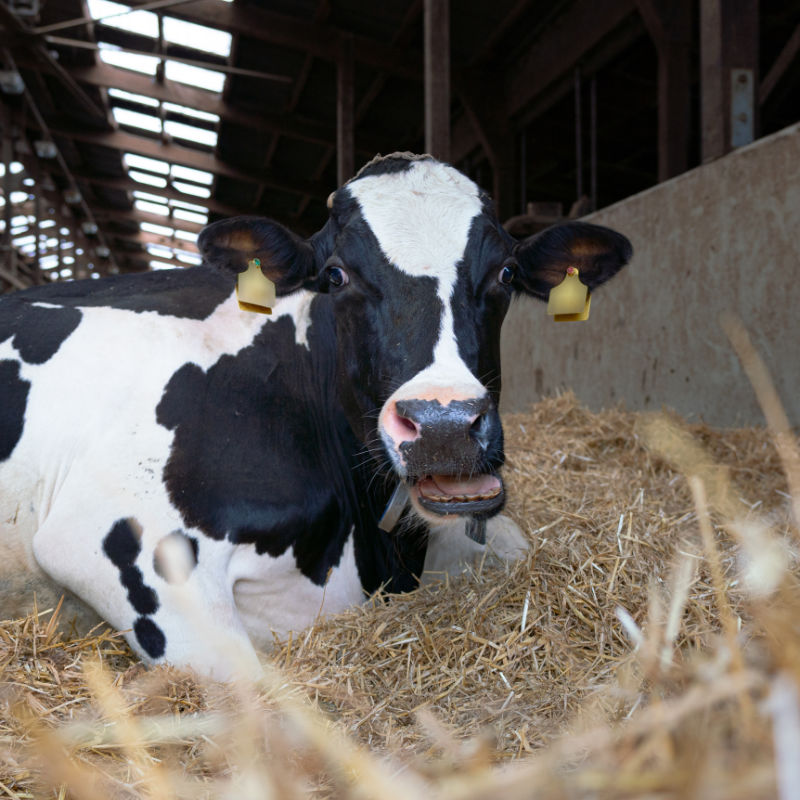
{"type": "Point", "coordinates": [649, 645]}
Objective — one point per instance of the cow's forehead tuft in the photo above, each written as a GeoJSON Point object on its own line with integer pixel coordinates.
{"type": "Point", "coordinates": [421, 216]}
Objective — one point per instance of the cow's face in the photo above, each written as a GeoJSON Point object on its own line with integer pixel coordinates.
{"type": "Point", "coordinates": [418, 276]}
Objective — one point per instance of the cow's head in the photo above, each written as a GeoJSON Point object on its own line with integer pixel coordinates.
{"type": "Point", "coordinates": [419, 276]}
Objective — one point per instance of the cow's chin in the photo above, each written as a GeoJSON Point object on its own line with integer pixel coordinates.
{"type": "Point", "coordinates": [438, 496]}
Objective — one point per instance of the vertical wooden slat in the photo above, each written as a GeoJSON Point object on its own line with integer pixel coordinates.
{"type": "Point", "coordinates": [728, 41]}
{"type": "Point", "coordinates": [345, 112]}
{"type": "Point", "coordinates": [437, 78]}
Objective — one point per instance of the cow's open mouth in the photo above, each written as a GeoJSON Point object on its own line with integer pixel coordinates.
{"type": "Point", "coordinates": [459, 494]}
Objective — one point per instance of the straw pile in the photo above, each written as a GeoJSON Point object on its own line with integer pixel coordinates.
{"type": "Point", "coordinates": [649, 645]}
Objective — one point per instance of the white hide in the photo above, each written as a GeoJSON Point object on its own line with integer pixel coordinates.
{"type": "Point", "coordinates": [93, 452]}
{"type": "Point", "coordinates": [421, 218]}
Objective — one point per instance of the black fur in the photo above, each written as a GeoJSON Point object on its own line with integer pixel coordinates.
{"type": "Point", "coordinates": [598, 253]}
{"type": "Point", "coordinates": [121, 546]}
{"type": "Point", "coordinates": [191, 293]}
{"type": "Point", "coordinates": [14, 394]}
{"type": "Point", "coordinates": [38, 332]}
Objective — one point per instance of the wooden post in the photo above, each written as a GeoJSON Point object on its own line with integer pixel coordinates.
{"type": "Point", "coordinates": [728, 74]}
{"type": "Point", "coordinates": [669, 23]}
{"type": "Point", "coordinates": [437, 78]}
{"type": "Point", "coordinates": [345, 112]}
{"type": "Point", "coordinates": [7, 158]}
{"type": "Point", "coordinates": [482, 94]}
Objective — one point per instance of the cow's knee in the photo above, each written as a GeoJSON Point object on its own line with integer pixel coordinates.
{"type": "Point", "coordinates": [451, 551]}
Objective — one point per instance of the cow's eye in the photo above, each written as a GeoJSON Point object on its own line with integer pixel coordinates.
{"type": "Point", "coordinates": [507, 274]}
{"type": "Point", "coordinates": [336, 277]}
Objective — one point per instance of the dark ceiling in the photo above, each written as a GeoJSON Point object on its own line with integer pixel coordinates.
{"type": "Point", "coordinates": [516, 63]}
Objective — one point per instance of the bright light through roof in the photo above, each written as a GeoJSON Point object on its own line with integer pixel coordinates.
{"type": "Point", "coordinates": [188, 206]}
{"type": "Point", "coordinates": [155, 198]}
{"type": "Point", "coordinates": [187, 236]}
{"type": "Point", "coordinates": [160, 230]}
{"type": "Point", "coordinates": [194, 76]}
{"type": "Point", "coordinates": [193, 189]}
{"type": "Point", "coordinates": [132, 61]}
{"type": "Point", "coordinates": [134, 119]}
{"type": "Point", "coordinates": [197, 36]}
{"type": "Point", "coordinates": [150, 164]}
{"type": "Point", "coordinates": [190, 133]}
{"type": "Point", "coordinates": [146, 177]}
{"type": "Point", "coordinates": [152, 208]}
{"type": "Point", "coordinates": [161, 265]}
{"type": "Point", "coordinates": [143, 22]}
{"type": "Point", "coordinates": [190, 216]}
{"type": "Point", "coordinates": [134, 98]}
{"type": "Point", "coordinates": [191, 112]}
{"type": "Point", "coordinates": [15, 168]}
{"type": "Point", "coordinates": [189, 174]}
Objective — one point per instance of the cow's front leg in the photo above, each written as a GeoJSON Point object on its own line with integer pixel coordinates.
{"type": "Point", "coordinates": [450, 550]}
{"type": "Point", "coordinates": [169, 593]}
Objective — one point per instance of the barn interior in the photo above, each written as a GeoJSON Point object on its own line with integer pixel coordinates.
{"type": "Point", "coordinates": [648, 645]}
{"type": "Point", "coordinates": [124, 128]}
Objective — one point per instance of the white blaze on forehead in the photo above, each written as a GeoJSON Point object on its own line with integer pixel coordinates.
{"type": "Point", "coordinates": [421, 218]}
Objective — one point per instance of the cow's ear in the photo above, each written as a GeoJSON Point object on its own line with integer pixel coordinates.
{"type": "Point", "coordinates": [598, 253]}
{"type": "Point", "coordinates": [230, 244]}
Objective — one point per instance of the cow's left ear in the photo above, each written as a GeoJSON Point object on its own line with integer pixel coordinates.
{"type": "Point", "coordinates": [230, 244]}
{"type": "Point", "coordinates": [598, 253]}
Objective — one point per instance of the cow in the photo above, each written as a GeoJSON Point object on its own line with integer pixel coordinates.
{"type": "Point", "coordinates": [170, 460]}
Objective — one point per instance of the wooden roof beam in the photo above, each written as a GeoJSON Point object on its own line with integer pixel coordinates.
{"type": "Point", "coordinates": [188, 157]}
{"type": "Point", "coordinates": [320, 40]}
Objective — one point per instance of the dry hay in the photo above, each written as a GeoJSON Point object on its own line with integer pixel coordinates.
{"type": "Point", "coordinates": [644, 648]}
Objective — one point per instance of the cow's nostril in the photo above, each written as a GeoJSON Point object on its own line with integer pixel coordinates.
{"type": "Point", "coordinates": [410, 426]}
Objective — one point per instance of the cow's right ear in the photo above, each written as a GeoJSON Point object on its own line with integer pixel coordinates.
{"type": "Point", "coordinates": [230, 244]}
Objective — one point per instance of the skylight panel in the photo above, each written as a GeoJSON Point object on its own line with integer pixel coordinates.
{"type": "Point", "coordinates": [19, 197]}
{"type": "Point", "coordinates": [23, 240]}
{"type": "Point", "coordinates": [210, 40]}
{"type": "Point", "coordinates": [142, 162]}
{"type": "Point", "coordinates": [136, 119]}
{"type": "Point", "coordinates": [142, 99]}
{"type": "Point", "coordinates": [146, 177]}
{"type": "Point", "coordinates": [189, 133]}
{"type": "Point", "coordinates": [160, 230]}
{"type": "Point", "coordinates": [21, 219]}
{"type": "Point", "coordinates": [155, 198]}
{"type": "Point", "coordinates": [67, 260]}
{"type": "Point", "coordinates": [194, 76]}
{"type": "Point", "coordinates": [48, 262]}
{"type": "Point", "coordinates": [159, 250]}
{"type": "Point", "coordinates": [132, 61]}
{"type": "Point", "coordinates": [15, 168]}
{"type": "Point", "coordinates": [142, 22]}
{"type": "Point", "coordinates": [187, 236]}
{"type": "Point", "coordinates": [188, 258]}
{"type": "Point", "coordinates": [161, 265]}
{"type": "Point", "coordinates": [190, 216]}
{"type": "Point", "coordinates": [47, 223]}
{"type": "Point", "coordinates": [188, 206]}
{"type": "Point", "coordinates": [152, 208]}
{"type": "Point", "coordinates": [189, 174]}
{"type": "Point", "coordinates": [192, 188]}
{"type": "Point", "coordinates": [191, 112]}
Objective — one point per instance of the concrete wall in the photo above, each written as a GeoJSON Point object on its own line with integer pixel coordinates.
{"type": "Point", "coordinates": [725, 236]}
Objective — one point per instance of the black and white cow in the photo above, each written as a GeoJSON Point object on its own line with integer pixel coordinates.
{"type": "Point", "coordinates": [147, 415]}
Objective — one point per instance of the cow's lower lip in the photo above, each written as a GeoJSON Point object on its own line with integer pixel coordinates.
{"type": "Point", "coordinates": [451, 494]}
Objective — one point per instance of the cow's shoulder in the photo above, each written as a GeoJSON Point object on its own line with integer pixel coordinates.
{"type": "Point", "coordinates": [40, 319]}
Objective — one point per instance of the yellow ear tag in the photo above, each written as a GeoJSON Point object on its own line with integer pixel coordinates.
{"type": "Point", "coordinates": [570, 300]}
{"type": "Point", "coordinates": [256, 292]}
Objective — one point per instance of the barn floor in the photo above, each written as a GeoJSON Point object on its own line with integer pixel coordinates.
{"type": "Point", "coordinates": [643, 649]}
